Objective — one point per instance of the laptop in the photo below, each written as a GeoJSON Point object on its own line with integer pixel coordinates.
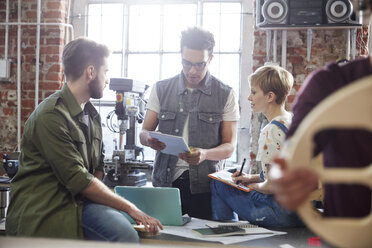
{"type": "Point", "coordinates": [161, 203]}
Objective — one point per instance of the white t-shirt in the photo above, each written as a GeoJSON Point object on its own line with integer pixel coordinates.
{"type": "Point", "coordinates": [271, 140]}
{"type": "Point", "coordinates": [230, 113]}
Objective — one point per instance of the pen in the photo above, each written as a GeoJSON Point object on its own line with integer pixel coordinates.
{"type": "Point", "coordinates": [190, 147]}
{"type": "Point", "coordinates": [241, 170]}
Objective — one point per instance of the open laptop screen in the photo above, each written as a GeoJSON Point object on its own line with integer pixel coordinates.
{"type": "Point", "coordinates": [161, 203]}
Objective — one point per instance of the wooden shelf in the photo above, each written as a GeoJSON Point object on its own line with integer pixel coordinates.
{"type": "Point", "coordinates": [314, 27]}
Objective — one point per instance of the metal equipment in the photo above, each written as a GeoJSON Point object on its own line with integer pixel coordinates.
{"type": "Point", "coordinates": [10, 163]}
{"type": "Point", "coordinates": [124, 168]}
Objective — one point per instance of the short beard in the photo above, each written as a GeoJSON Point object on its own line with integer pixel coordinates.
{"type": "Point", "coordinates": [94, 89]}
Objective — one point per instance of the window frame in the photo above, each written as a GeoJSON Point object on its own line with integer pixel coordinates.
{"type": "Point", "coordinates": [245, 52]}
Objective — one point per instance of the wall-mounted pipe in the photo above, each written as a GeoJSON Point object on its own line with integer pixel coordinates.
{"type": "Point", "coordinates": [19, 24]}
{"type": "Point", "coordinates": [19, 78]}
{"type": "Point", "coordinates": [41, 24]}
{"type": "Point", "coordinates": [37, 64]}
{"type": "Point", "coordinates": [6, 30]}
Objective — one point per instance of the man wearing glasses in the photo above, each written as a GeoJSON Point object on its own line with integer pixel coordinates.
{"type": "Point", "coordinates": [196, 105]}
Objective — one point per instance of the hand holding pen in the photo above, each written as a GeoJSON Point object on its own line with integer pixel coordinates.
{"type": "Point", "coordinates": [241, 170]}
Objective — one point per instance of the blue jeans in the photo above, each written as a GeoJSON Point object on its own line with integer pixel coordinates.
{"type": "Point", "coordinates": [104, 223]}
{"type": "Point", "coordinates": [260, 209]}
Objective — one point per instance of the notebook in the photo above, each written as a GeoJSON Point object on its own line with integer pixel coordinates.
{"type": "Point", "coordinates": [219, 231]}
{"type": "Point", "coordinates": [230, 229]}
{"type": "Point", "coordinates": [161, 203]}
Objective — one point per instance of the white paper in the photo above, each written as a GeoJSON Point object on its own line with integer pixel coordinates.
{"type": "Point", "coordinates": [2, 224]}
{"type": "Point", "coordinates": [225, 176]}
{"type": "Point", "coordinates": [186, 231]}
{"type": "Point", "coordinates": [174, 144]}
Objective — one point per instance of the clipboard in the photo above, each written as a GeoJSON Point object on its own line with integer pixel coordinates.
{"type": "Point", "coordinates": [174, 144]}
{"type": "Point", "coordinates": [225, 177]}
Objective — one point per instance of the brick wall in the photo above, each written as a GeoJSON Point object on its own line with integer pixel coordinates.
{"type": "Point", "coordinates": [50, 76]}
{"type": "Point", "coordinates": [327, 46]}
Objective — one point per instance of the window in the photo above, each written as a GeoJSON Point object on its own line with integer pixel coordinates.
{"type": "Point", "coordinates": [145, 37]}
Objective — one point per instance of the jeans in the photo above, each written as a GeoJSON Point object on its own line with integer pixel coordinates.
{"type": "Point", "coordinates": [260, 209]}
{"type": "Point", "coordinates": [104, 223]}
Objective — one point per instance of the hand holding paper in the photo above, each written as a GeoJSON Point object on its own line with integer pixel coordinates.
{"type": "Point", "coordinates": [195, 156]}
{"type": "Point", "coordinates": [154, 143]}
{"type": "Point", "coordinates": [173, 145]}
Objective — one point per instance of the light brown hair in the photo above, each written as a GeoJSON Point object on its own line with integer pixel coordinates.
{"type": "Point", "coordinates": [80, 53]}
{"type": "Point", "coordinates": [275, 79]}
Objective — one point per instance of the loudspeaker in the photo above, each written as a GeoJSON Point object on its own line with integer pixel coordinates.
{"type": "Point", "coordinates": [339, 11]}
{"type": "Point", "coordinates": [276, 13]}
{"type": "Point", "coordinates": [271, 12]}
{"type": "Point", "coordinates": [306, 12]}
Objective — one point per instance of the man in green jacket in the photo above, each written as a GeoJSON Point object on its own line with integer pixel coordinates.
{"type": "Point", "coordinates": [57, 191]}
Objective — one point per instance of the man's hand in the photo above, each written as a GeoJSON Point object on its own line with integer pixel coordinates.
{"type": "Point", "coordinates": [195, 156]}
{"type": "Point", "coordinates": [151, 224]}
{"type": "Point", "coordinates": [155, 143]}
{"type": "Point", "coordinates": [291, 187]}
{"type": "Point", "coordinates": [98, 192]}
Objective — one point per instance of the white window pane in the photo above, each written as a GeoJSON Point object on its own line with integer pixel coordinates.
{"type": "Point", "coordinates": [108, 95]}
{"type": "Point", "coordinates": [108, 136]}
{"type": "Point", "coordinates": [226, 67]}
{"type": "Point", "coordinates": [223, 20]}
{"type": "Point", "coordinates": [94, 21]}
{"type": "Point", "coordinates": [144, 68]}
{"type": "Point", "coordinates": [114, 65]}
{"type": "Point", "coordinates": [105, 24]}
{"type": "Point", "coordinates": [144, 27]}
{"type": "Point", "coordinates": [177, 17]}
{"type": "Point", "coordinates": [171, 65]}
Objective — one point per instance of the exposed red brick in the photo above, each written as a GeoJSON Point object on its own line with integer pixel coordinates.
{"type": "Point", "coordinates": [50, 86]}
{"type": "Point", "coordinates": [297, 87]}
{"type": "Point", "coordinates": [55, 68]}
{"type": "Point", "coordinates": [28, 103]}
{"type": "Point", "coordinates": [31, 14]}
{"type": "Point", "coordinates": [55, 41]}
{"type": "Point", "coordinates": [3, 95]}
{"type": "Point", "coordinates": [54, 76]}
{"type": "Point", "coordinates": [8, 111]}
{"type": "Point", "coordinates": [291, 98]}
{"type": "Point", "coordinates": [53, 58]}
{"type": "Point", "coordinates": [48, 93]}
{"type": "Point", "coordinates": [51, 50]}
{"type": "Point", "coordinates": [56, 5]}
{"type": "Point", "coordinates": [26, 114]}
{"type": "Point", "coordinates": [28, 86]}
{"type": "Point", "coordinates": [54, 14]}
{"type": "Point", "coordinates": [297, 60]}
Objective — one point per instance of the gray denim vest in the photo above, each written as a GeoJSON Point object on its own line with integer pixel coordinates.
{"type": "Point", "coordinates": [205, 107]}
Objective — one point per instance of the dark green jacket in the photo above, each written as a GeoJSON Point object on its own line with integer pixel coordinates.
{"type": "Point", "coordinates": [57, 161]}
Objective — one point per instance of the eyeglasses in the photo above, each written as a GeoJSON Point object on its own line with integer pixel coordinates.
{"type": "Point", "coordinates": [198, 66]}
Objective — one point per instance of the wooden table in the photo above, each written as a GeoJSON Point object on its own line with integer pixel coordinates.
{"type": "Point", "coordinates": [11, 242]}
